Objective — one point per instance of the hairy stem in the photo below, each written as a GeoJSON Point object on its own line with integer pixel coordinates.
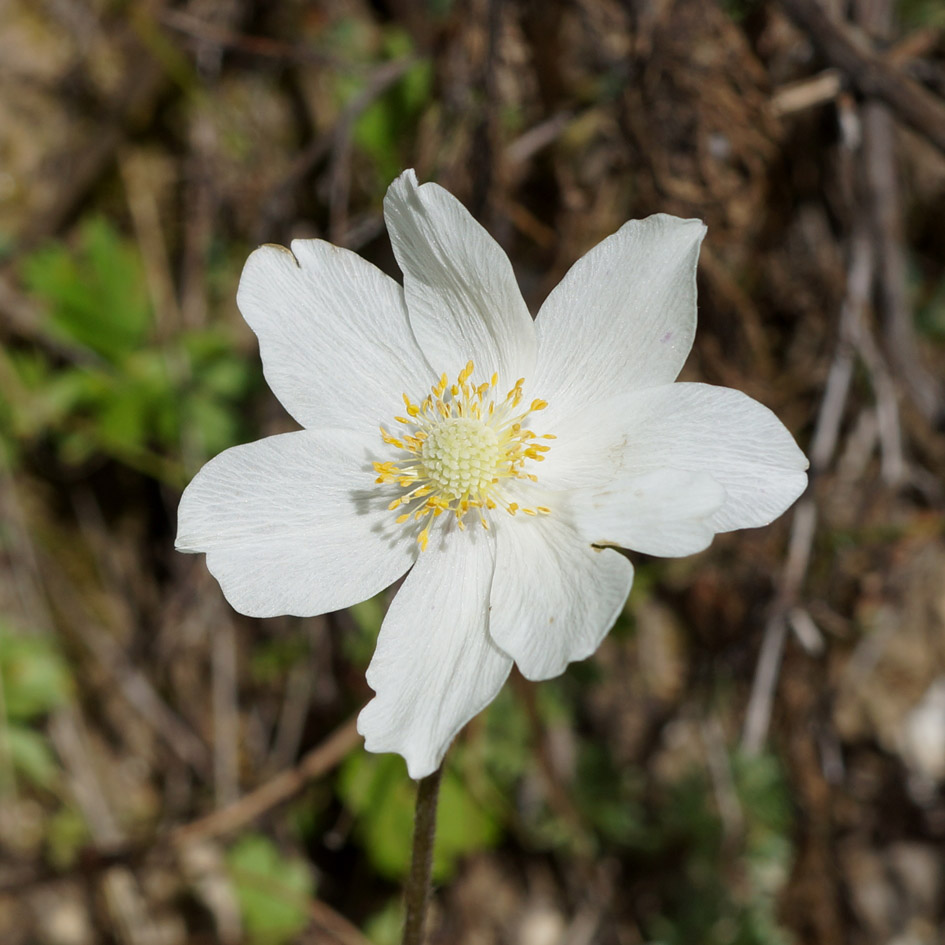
{"type": "Point", "coordinates": [417, 891]}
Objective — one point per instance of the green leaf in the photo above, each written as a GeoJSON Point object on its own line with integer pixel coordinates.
{"type": "Point", "coordinates": [273, 890]}
{"type": "Point", "coordinates": [96, 293]}
{"type": "Point", "coordinates": [386, 927]}
{"type": "Point", "coordinates": [218, 378]}
{"type": "Point", "coordinates": [463, 825]}
{"type": "Point", "coordinates": [507, 739]}
{"type": "Point", "coordinates": [368, 615]}
{"type": "Point", "coordinates": [122, 420]}
{"type": "Point", "coordinates": [609, 797]}
{"type": "Point", "coordinates": [133, 401]}
{"type": "Point", "coordinates": [921, 14]}
{"type": "Point", "coordinates": [35, 677]}
{"type": "Point", "coordinates": [272, 659]}
{"type": "Point", "coordinates": [930, 316]}
{"type": "Point", "coordinates": [386, 123]}
{"type": "Point", "coordinates": [31, 756]}
{"type": "Point", "coordinates": [66, 834]}
{"type": "Point", "coordinates": [378, 791]}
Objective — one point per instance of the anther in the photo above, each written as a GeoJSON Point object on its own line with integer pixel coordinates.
{"type": "Point", "coordinates": [464, 445]}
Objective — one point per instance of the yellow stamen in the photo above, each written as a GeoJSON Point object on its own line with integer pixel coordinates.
{"type": "Point", "coordinates": [465, 448]}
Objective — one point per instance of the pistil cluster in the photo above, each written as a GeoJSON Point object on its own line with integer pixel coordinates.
{"type": "Point", "coordinates": [464, 445]}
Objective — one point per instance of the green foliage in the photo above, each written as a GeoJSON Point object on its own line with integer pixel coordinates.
{"type": "Point", "coordinates": [506, 740]}
{"type": "Point", "coordinates": [386, 927]}
{"type": "Point", "coordinates": [725, 886]}
{"type": "Point", "coordinates": [34, 675]}
{"type": "Point", "coordinates": [272, 659]}
{"type": "Point", "coordinates": [713, 882]}
{"type": "Point", "coordinates": [610, 799]}
{"type": "Point", "coordinates": [34, 680]}
{"type": "Point", "coordinates": [379, 793]}
{"type": "Point", "coordinates": [95, 293]}
{"type": "Point", "coordinates": [382, 128]}
{"type": "Point", "coordinates": [66, 835]}
{"type": "Point", "coordinates": [368, 615]}
{"type": "Point", "coordinates": [273, 890]}
{"type": "Point", "coordinates": [739, 10]}
{"type": "Point", "coordinates": [31, 757]}
{"type": "Point", "coordinates": [385, 130]}
{"type": "Point", "coordinates": [919, 14]}
{"type": "Point", "coordinates": [217, 380]}
{"type": "Point", "coordinates": [465, 825]}
{"type": "Point", "coordinates": [930, 317]}
{"type": "Point", "coordinates": [439, 9]}
{"type": "Point", "coordinates": [122, 394]}
{"type": "Point", "coordinates": [7, 245]}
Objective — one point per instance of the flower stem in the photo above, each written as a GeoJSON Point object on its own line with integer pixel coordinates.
{"type": "Point", "coordinates": [417, 890]}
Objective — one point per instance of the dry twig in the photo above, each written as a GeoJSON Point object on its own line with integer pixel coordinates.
{"type": "Point", "coordinates": [848, 49]}
{"type": "Point", "coordinates": [277, 790]}
{"type": "Point", "coordinates": [804, 518]}
{"type": "Point", "coordinates": [284, 786]}
{"type": "Point", "coordinates": [884, 203]}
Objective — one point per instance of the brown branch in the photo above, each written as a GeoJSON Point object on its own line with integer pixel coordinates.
{"type": "Point", "coordinates": [806, 93]}
{"type": "Point", "coordinates": [277, 790]}
{"type": "Point", "coordinates": [884, 205]}
{"type": "Point", "coordinates": [334, 142]}
{"type": "Point", "coordinates": [334, 925]}
{"type": "Point", "coordinates": [317, 762]}
{"type": "Point", "coordinates": [804, 514]}
{"type": "Point", "coordinates": [197, 28]}
{"type": "Point", "coordinates": [850, 51]}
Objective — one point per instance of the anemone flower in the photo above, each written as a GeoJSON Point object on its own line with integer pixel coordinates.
{"type": "Point", "coordinates": [497, 461]}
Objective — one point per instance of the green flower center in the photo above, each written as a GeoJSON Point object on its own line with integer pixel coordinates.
{"type": "Point", "coordinates": [461, 448]}
{"type": "Point", "coordinates": [461, 456]}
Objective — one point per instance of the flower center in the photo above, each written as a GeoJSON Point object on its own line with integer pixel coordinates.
{"type": "Point", "coordinates": [463, 447]}
{"type": "Point", "coordinates": [461, 456]}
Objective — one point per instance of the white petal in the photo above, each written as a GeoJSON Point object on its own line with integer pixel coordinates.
{"type": "Point", "coordinates": [696, 428]}
{"type": "Point", "coordinates": [623, 317]}
{"type": "Point", "coordinates": [435, 667]}
{"type": "Point", "coordinates": [554, 597]}
{"type": "Point", "coordinates": [294, 524]}
{"type": "Point", "coordinates": [666, 512]}
{"type": "Point", "coordinates": [334, 337]}
{"type": "Point", "coordinates": [461, 292]}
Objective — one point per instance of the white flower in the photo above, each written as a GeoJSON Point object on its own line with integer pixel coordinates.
{"type": "Point", "coordinates": [510, 454]}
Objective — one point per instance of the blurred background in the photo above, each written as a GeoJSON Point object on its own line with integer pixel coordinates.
{"type": "Point", "coordinates": [757, 752]}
